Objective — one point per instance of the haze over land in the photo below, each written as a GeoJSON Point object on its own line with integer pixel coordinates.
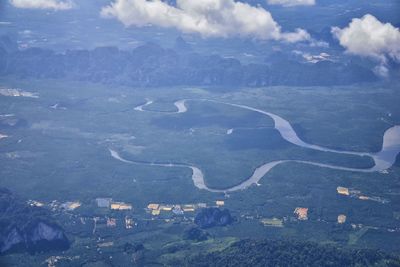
{"type": "Point", "coordinates": [199, 133]}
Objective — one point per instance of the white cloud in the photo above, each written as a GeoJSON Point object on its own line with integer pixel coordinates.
{"type": "Point", "coordinates": [313, 58]}
{"type": "Point", "coordinates": [209, 18]}
{"type": "Point", "coordinates": [291, 2]}
{"type": "Point", "coordinates": [43, 4]}
{"type": "Point", "coordinates": [368, 37]}
{"type": "Point", "coordinates": [318, 43]}
{"type": "Point", "coordinates": [296, 36]}
{"type": "Point", "coordinates": [381, 70]}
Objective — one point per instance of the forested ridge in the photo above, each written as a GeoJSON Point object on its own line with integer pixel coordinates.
{"type": "Point", "coordinates": [291, 253]}
{"type": "Point", "coordinates": [150, 65]}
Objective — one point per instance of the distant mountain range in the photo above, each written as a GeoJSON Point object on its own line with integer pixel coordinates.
{"type": "Point", "coordinates": [152, 65]}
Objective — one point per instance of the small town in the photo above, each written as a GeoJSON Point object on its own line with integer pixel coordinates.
{"type": "Point", "coordinates": [118, 214]}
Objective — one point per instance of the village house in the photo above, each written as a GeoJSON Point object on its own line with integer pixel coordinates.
{"type": "Point", "coordinates": [343, 190]}
{"type": "Point", "coordinates": [302, 213]}
{"type": "Point", "coordinates": [341, 218]}
{"type": "Point", "coordinates": [120, 206]}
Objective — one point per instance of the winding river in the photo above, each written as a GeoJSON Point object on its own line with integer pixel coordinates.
{"type": "Point", "coordinates": [180, 105]}
{"type": "Point", "coordinates": [383, 159]}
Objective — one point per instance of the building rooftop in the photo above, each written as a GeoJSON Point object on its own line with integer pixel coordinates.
{"type": "Point", "coordinates": [155, 212]}
{"type": "Point", "coordinates": [153, 206]}
{"type": "Point", "coordinates": [341, 218]}
{"type": "Point", "coordinates": [302, 213]}
{"type": "Point", "coordinates": [120, 206]}
{"type": "Point", "coordinates": [220, 203]}
{"type": "Point", "coordinates": [343, 190]}
{"type": "Point", "coordinates": [70, 205]}
{"type": "Point", "coordinates": [111, 222]}
{"type": "Point", "coordinates": [103, 202]}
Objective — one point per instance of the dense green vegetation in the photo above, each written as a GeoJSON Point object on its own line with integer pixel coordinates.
{"type": "Point", "coordinates": [290, 253]}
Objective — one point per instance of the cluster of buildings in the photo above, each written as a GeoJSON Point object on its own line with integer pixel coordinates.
{"type": "Point", "coordinates": [155, 209]}
{"type": "Point", "coordinates": [55, 205]}
{"type": "Point", "coordinates": [113, 205]}
{"type": "Point", "coordinates": [301, 214]}
{"type": "Point", "coordinates": [357, 194]}
{"type": "Point", "coordinates": [71, 205]}
{"type": "Point", "coordinates": [16, 92]}
{"type": "Point", "coordinates": [53, 260]}
{"type": "Point", "coordinates": [35, 203]}
{"type": "Point", "coordinates": [128, 222]}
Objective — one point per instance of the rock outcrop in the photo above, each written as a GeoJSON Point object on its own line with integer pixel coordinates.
{"type": "Point", "coordinates": [26, 228]}
{"type": "Point", "coordinates": [210, 217]}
